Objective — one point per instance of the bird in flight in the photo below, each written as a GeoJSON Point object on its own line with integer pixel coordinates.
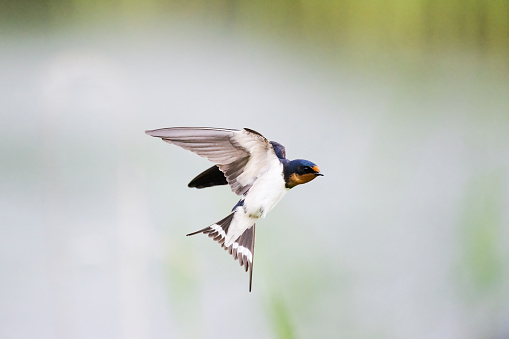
{"type": "Point", "coordinates": [254, 167]}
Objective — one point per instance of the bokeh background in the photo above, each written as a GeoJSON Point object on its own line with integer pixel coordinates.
{"type": "Point", "coordinates": [404, 105]}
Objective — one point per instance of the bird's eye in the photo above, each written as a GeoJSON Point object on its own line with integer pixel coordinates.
{"type": "Point", "coordinates": [307, 169]}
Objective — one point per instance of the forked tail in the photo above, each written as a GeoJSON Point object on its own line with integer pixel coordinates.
{"type": "Point", "coordinates": [242, 248]}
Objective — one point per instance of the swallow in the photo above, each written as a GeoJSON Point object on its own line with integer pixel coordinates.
{"type": "Point", "coordinates": [254, 168]}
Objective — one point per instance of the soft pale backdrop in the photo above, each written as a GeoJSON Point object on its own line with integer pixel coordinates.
{"type": "Point", "coordinates": [404, 106]}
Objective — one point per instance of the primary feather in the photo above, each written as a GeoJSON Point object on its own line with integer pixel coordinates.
{"type": "Point", "coordinates": [240, 154]}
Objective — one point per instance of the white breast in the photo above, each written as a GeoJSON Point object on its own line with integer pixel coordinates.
{"type": "Point", "coordinates": [266, 192]}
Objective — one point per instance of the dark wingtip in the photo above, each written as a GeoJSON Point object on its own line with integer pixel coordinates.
{"type": "Point", "coordinates": [253, 131]}
{"type": "Point", "coordinates": [208, 178]}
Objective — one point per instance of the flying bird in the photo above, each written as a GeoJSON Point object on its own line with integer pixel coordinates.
{"type": "Point", "coordinates": [254, 167]}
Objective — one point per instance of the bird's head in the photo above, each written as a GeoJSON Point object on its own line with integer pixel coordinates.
{"type": "Point", "coordinates": [300, 171]}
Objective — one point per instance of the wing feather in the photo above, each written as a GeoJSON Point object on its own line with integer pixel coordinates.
{"type": "Point", "coordinates": [242, 155]}
{"type": "Point", "coordinates": [210, 177]}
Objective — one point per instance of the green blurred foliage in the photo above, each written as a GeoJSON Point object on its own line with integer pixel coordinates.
{"type": "Point", "coordinates": [280, 318]}
{"type": "Point", "coordinates": [482, 231]}
{"type": "Point", "coordinates": [418, 25]}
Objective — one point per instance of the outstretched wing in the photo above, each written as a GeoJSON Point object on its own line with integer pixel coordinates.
{"type": "Point", "coordinates": [214, 177]}
{"type": "Point", "coordinates": [242, 155]}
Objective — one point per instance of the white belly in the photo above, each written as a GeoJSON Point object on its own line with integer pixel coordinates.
{"type": "Point", "coordinates": [260, 199]}
{"type": "Point", "coordinates": [265, 194]}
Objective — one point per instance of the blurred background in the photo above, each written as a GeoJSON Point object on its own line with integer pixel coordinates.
{"type": "Point", "coordinates": [404, 106]}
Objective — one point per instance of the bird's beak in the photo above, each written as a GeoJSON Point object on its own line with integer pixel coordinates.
{"type": "Point", "coordinates": [317, 171]}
